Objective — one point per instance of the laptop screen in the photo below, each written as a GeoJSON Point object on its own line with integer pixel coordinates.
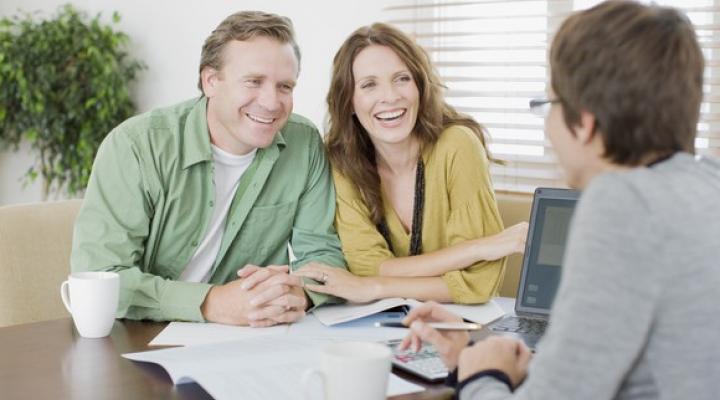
{"type": "Point", "coordinates": [549, 224]}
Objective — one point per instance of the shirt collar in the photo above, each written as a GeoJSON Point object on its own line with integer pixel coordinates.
{"type": "Point", "coordinates": [196, 137]}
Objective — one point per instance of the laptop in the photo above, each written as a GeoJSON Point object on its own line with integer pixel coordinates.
{"type": "Point", "coordinates": [550, 216]}
{"type": "Point", "coordinates": [552, 210]}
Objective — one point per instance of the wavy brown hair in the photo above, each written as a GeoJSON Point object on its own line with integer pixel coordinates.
{"type": "Point", "coordinates": [348, 145]}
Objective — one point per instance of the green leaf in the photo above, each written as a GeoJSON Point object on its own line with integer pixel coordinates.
{"type": "Point", "coordinates": [32, 174]}
{"type": "Point", "coordinates": [31, 135]}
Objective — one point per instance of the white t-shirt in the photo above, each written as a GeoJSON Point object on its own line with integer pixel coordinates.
{"type": "Point", "coordinates": [228, 170]}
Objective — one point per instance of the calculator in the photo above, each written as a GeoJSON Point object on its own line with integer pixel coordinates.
{"type": "Point", "coordinates": [426, 363]}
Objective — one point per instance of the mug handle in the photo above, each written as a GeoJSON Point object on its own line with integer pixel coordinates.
{"type": "Point", "coordinates": [65, 295]}
{"type": "Point", "coordinates": [307, 376]}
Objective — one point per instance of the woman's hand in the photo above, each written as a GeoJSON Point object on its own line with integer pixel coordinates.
{"type": "Point", "coordinates": [339, 282]}
{"type": "Point", "coordinates": [510, 241]}
{"type": "Point", "coordinates": [448, 344]}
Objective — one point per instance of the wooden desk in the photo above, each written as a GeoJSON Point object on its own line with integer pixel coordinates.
{"type": "Point", "coordinates": [49, 360]}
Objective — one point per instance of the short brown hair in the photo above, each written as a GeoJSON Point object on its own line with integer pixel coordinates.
{"type": "Point", "coordinates": [245, 25]}
{"type": "Point", "coordinates": [349, 148]}
{"type": "Point", "coordinates": [639, 70]}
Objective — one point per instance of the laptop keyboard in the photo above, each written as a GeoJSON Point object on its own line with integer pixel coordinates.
{"type": "Point", "coordinates": [526, 326]}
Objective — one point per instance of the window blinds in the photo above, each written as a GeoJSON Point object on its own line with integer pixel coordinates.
{"type": "Point", "coordinates": [492, 56]}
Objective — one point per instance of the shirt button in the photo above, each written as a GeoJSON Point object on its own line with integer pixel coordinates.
{"type": "Point", "coordinates": [194, 243]}
{"type": "Point", "coordinates": [211, 203]}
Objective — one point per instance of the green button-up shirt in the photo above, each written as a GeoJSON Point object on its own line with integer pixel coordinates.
{"type": "Point", "coordinates": [151, 197]}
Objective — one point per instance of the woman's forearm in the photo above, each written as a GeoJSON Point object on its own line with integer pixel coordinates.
{"type": "Point", "coordinates": [435, 263]}
{"type": "Point", "coordinates": [417, 288]}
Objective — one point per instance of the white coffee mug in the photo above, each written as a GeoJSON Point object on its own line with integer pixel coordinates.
{"type": "Point", "coordinates": [352, 371]}
{"type": "Point", "coordinates": [92, 299]}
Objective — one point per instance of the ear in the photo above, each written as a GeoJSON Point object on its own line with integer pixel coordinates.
{"type": "Point", "coordinates": [209, 77]}
{"type": "Point", "coordinates": [585, 130]}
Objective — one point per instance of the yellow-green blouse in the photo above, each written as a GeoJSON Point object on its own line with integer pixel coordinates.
{"type": "Point", "coordinates": [459, 205]}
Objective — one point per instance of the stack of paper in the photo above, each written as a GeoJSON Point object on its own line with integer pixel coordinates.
{"type": "Point", "coordinates": [233, 362]}
{"type": "Point", "coordinates": [348, 321]}
{"type": "Point", "coordinates": [193, 334]}
{"type": "Point", "coordinates": [269, 367]}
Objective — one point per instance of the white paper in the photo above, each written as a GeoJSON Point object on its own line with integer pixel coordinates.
{"type": "Point", "coordinates": [335, 323]}
{"type": "Point", "coordinates": [336, 314]}
{"type": "Point", "coordinates": [310, 326]}
{"type": "Point", "coordinates": [398, 386]}
{"type": "Point", "coordinates": [339, 313]}
{"type": "Point", "coordinates": [192, 333]}
{"type": "Point", "coordinates": [256, 368]}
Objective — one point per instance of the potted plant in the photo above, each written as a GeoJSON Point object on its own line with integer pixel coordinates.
{"type": "Point", "coordinates": [64, 84]}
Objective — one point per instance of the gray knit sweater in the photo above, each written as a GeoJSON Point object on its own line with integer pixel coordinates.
{"type": "Point", "coordinates": [637, 314]}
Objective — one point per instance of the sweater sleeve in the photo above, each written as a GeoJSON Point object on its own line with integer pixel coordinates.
{"type": "Point", "coordinates": [473, 214]}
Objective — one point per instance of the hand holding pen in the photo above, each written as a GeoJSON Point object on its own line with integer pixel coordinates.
{"type": "Point", "coordinates": [448, 343]}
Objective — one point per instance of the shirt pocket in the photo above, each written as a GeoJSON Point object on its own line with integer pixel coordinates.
{"type": "Point", "coordinates": [267, 227]}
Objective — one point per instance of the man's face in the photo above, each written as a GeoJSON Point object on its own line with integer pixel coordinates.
{"type": "Point", "coordinates": [250, 97]}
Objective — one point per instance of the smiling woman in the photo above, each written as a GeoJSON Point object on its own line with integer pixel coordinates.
{"type": "Point", "coordinates": [386, 98]}
{"type": "Point", "coordinates": [416, 211]}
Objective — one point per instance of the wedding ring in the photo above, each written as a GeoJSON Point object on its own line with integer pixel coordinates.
{"type": "Point", "coordinates": [324, 278]}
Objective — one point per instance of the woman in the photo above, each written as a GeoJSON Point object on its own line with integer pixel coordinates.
{"type": "Point", "coordinates": [416, 212]}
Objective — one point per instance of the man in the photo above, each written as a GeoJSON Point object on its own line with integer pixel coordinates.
{"type": "Point", "coordinates": [635, 316]}
{"type": "Point", "coordinates": [184, 200]}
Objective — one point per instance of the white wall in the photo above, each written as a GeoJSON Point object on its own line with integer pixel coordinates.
{"type": "Point", "coordinates": [167, 36]}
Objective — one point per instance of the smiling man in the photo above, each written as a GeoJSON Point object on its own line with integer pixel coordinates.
{"type": "Point", "coordinates": [194, 205]}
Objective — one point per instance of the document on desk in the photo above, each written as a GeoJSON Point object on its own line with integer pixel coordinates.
{"type": "Point", "coordinates": [342, 321]}
{"type": "Point", "coordinates": [337, 314]}
{"type": "Point", "coordinates": [257, 368]}
{"type": "Point", "coordinates": [193, 334]}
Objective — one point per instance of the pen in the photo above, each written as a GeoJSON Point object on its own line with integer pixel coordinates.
{"type": "Point", "coordinates": [443, 326]}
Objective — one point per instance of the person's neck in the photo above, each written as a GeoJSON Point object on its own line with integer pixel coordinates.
{"type": "Point", "coordinates": [398, 158]}
{"type": "Point", "coordinates": [599, 167]}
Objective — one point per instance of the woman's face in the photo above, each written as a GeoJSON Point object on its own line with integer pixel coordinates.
{"type": "Point", "coordinates": [386, 97]}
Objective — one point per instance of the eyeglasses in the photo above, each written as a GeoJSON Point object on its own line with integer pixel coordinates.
{"type": "Point", "coordinates": [541, 107]}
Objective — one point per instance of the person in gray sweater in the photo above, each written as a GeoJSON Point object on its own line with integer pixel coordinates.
{"type": "Point", "coordinates": [636, 313]}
